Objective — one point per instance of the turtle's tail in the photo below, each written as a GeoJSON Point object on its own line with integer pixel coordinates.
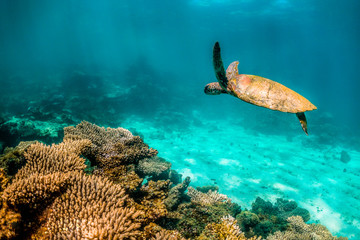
{"type": "Point", "coordinates": [302, 119]}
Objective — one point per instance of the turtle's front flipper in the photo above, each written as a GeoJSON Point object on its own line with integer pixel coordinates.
{"type": "Point", "coordinates": [219, 66]}
{"type": "Point", "coordinates": [302, 119]}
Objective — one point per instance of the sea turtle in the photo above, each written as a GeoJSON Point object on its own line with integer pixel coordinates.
{"type": "Point", "coordinates": [257, 90]}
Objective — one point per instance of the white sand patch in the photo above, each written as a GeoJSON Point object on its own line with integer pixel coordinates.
{"type": "Point", "coordinates": [332, 180]}
{"type": "Point", "coordinates": [231, 181]}
{"type": "Point", "coordinates": [190, 160]}
{"type": "Point", "coordinates": [229, 162]}
{"type": "Point", "coordinates": [257, 181]}
{"type": "Point", "coordinates": [320, 210]}
{"type": "Point", "coordinates": [284, 188]}
{"type": "Point", "coordinates": [317, 184]}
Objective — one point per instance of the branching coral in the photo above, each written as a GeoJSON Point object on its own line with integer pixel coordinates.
{"type": "Point", "coordinates": [63, 157]}
{"type": "Point", "coordinates": [66, 203]}
{"type": "Point", "coordinates": [208, 198]}
{"type": "Point", "coordinates": [92, 208]}
{"type": "Point", "coordinates": [300, 230]}
{"type": "Point", "coordinates": [45, 173]}
{"type": "Point", "coordinates": [35, 190]}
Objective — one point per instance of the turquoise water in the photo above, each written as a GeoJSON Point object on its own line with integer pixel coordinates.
{"type": "Point", "coordinates": [143, 65]}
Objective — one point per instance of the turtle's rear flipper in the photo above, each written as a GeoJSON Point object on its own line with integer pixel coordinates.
{"type": "Point", "coordinates": [302, 119]}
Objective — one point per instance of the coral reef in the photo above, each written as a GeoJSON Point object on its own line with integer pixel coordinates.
{"type": "Point", "coordinates": [227, 229]}
{"type": "Point", "coordinates": [58, 200]}
{"type": "Point", "coordinates": [265, 218]}
{"type": "Point", "coordinates": [300, 230]}
{"type": "Point", "coordinates": [130, 194]}
{"type": "Point", "coordinates": [203, 209]}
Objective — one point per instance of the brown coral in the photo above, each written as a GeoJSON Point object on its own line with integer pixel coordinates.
{"type": "Point", "coordinates": [110, 147]}
{"type": "Point", "coordinates": [63, 157]}
{"type": "Point", "coordinates": [92, 207]}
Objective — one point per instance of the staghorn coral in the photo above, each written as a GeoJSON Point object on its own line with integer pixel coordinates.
{"type": "Point", "coordinates": [35, 190]}
{"type": "Point", "coordinates": [124, 175]}
{"type": "Point", "coordinates": [208, 198]}
{"type": "Point", "coordinates": [44, 174]}
{"type": "Point", "coordinates": [176, 194]}
{"type": "Point", "coordinates": [67, 203]}
{"type": "Point", "coordinates": [92, 207]}
{"type": "Point", "coordinates": [63, 157]}
{"type": "Point", "coordinates": [300, 230]}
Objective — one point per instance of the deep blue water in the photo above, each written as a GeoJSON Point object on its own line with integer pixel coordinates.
{"type": "Point", "coordinates": [309, 46]}
{"type": "Point", "coordinates": [105, 60]}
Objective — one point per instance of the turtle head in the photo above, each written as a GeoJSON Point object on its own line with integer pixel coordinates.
{"type": "Point", "coordinates": [213, 89]}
